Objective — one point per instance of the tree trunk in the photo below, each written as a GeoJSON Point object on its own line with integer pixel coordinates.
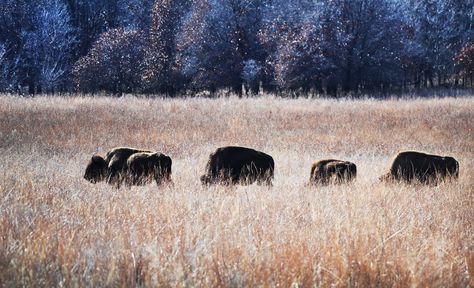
{"type": "Point", "coordinates": [347, 84]}
{"type": "Point", "coordinates": [417, 79]}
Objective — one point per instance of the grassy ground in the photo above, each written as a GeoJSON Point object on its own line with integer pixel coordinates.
{"type": "Point", "coordinates": [56, 229]}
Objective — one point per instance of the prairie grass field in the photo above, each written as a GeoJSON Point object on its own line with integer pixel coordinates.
{"type": "Point", "coordinates": [57, 229]}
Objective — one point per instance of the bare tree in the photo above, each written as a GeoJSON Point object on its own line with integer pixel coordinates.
{"type": "Point", "coordinates": [113, 64]}
{"type": "Point", "coordinates": [161, 49]}
{"type": "Point", "coordinates": [49, 46]}
{"type": "Point", "coordinates": [3, 67]}
{"type": "Point", "coordinates": [135, 14]}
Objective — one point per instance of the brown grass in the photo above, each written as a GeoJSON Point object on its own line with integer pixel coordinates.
{"type": "Point", "coordinates": [56, 229]}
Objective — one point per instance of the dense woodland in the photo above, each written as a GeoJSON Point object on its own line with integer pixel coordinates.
{"type": "Point", "coordinates": [181, 47]}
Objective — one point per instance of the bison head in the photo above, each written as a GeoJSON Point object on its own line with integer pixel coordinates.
{"type": "Point", "coordinates": [96, 169]}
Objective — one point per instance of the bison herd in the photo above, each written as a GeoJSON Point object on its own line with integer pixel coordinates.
{"type": "Point", "coordinates": [129, 166]}
{"type": "Point", "coordinates": [239, 165]}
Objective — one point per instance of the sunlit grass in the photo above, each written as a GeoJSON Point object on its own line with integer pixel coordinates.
{"type": "Point", "coordinates": [57, 229]}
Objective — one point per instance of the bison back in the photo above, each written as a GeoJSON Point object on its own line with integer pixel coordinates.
{"type": "Point", "coordinates": [117, 163]}
{"type": "Point", "coordinates": [426, 168]}
{"type": "Point", "coordinates": [238, 163]}
{"type": "Point", "coordinates": [331, 170]}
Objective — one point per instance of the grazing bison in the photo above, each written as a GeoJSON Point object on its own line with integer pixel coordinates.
{"type": "Point", "coordinates": [425, 168]}
{"type": "Point", "coordinates": [117, 159]}
{"type": "Point", "coordinates": [332, 171]}
{"type": "Point", "coordinates": [143, 167]}
{"type": "Point", "coordinates": [238, 165]}
{"type": "Point", "coordinates": [96, 169]}
{"type": "Point", "coordinates": [113, 168]}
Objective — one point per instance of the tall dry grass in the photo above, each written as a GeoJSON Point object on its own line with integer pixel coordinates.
{"type": "Point", "coordinates": [56, 229]}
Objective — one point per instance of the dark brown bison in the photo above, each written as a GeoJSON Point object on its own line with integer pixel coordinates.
{"type": "Point", "coordinates": [238, 165]}
{"type": "Point", "coordinates": [96, 169]}
{"type": "Point", "coordinates": [145, 167]}
{"type": "Point", "coordinates": [332, 171]}
{"type": "Point", "coordinates": [425, 168]}
{"type": "Point", "coordinates": [112, 169]}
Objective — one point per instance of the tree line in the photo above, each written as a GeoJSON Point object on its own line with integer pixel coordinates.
{"type": "Point", "coordinates": [176, 47]}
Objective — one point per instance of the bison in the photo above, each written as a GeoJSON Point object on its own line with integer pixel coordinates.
{"type": "Point", "coordinates": [143, 167]}
{"type": "Point", "coordinates": [409, 166]}
{"type": "Point", "coordinates": [238, 165]}
{"type": "Point", "coordinates": [96, 169]}
{"type": "Point", "coordinates": [112, 169]}
{"type": "Point", "coordinates": [332, 171]}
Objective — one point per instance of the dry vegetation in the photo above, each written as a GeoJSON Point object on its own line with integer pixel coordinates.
{"type": "Point", "coordinates": [56, 229]}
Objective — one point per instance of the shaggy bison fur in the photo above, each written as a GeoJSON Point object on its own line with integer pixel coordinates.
{"type": "Point", "coordinates": [143, 167]}
{"type": "Point", "coordinates": [238, 165]}
{"type": "Point", "coordinates": [113, 168]}
{"type": "Point", "coordinates": [96, 169]}
{"type": "Point", "coordinates": [332, 171]}
{"type": "Point", "coordinates": [425, 168]}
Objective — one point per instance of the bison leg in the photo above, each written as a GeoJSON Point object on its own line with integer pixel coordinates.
{"type": "Point", "coordinates": [117, 171]}
{"type": "Point", "coordinates": [267, 181]}
{"type": "Point", "coordinates": [113, 178]}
